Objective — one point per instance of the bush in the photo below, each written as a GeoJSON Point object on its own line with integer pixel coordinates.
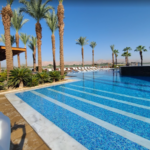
{"type": "Point", "coordinates": [43, 77]}
{"type": "Point", "coordinates": [19, 77]}
{"type": "Point", "coordinates": [55, 75]}
{"type": "Point", "coordinates": [33, 81]}
{"type": "Point", "coordinates": [3, 75]}
{"type": "Point", "coordinates": [2, 86]}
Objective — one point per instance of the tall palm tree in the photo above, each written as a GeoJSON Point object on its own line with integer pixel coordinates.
{"type": "Point", "coordinates": [93, 44]}
{"type": "Point", "coordinates": [6, 19]}
{"type": "Point", "coordinates": [38, 11]}
{"type": "Point", "coordinates": [141, 49]}
{"type": "Point", "coordinates": [112, 48]}
{"type": "Point", "coordinates": [24, 38]}
{"type": "Point", "coordinates": [127, 50]}
{"type": "Point", "coordinates": [116, 55]}
{"type": "Point", "coordinates": [60, 14]}
{"type": "Point", "coordinates": [17, 22]}
{"type": "Point", "coordinates": [52, 22]}
{"type": "Point", "coordinates": [82, 41]}
{"type": "Point", "coordinates": [126, 55]}
{"type": "Point", "coordinates": [32, 45]}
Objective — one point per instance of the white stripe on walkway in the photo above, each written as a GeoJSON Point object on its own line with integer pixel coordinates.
{"type": "Point", "coordinates": [144, 119]}
{"type": "Point", "coordinates": [108, 98]}
{"type": "Point", "coordinates": [132, 137]}
{"type": "Point", "coordinates": [112, 93]}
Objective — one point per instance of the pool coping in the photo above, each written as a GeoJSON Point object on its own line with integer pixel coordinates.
{"type": "Point", "coordinates": [52, 135]}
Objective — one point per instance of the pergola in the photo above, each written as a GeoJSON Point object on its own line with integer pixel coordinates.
{"type": "Point", "coordinates": [15, 51]}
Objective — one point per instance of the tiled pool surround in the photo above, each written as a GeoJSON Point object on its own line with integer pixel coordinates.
{"type": "Point", "coordinates": [98, 115]}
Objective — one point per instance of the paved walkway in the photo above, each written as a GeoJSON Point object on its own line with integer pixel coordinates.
{"type": "Point", "coordinates": [23, 137]}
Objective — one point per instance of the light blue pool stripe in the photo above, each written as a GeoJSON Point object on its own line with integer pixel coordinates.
{"type": "Point", "coordinates": [108, 98]}
{"type": "Point", "coordinates": [144, 119]}
{"type": "Point", "coordinates": [145, 99]}
{"type": "Point", "coordinates": [132, 137]}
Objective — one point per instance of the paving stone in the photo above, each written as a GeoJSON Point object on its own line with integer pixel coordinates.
{"type": "Point", "coordinates": [30, 141]}
{"type": "Point", "coordinates": [19, 132]}
{"type": "Point", "coordinates": [43, 147]}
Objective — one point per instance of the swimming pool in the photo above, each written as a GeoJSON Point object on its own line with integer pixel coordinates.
{"type": "Point", "coordinates": [101, 111]}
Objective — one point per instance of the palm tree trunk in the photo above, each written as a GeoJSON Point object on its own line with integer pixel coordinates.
{"type": "Point", "coordinates": [93, 57]}
{"type": "Point", "coordinates": [34, 59]}
{"type": "Point", "coordinates": [39, 43]}
{"type": "Point", "coordinates": [53, 48]}
{"type": "Point", "coordinates": [116, 61]}
{"type": "Point", "coordinates": [82, 57]}
{"type": "Point", "coordinates": [0, 67]}
{"type": "Point", "coordinates": [141, 58]}
{"type": "Point", "coordinates": [113, 60]}
{"type": "Point", "coordinates": [60, 14]}
{"type": "Point", "coordinates": [26, 56]}
{"type": "Point", "coordinates": [21, 84]}
{"type": "Point", "coordinates": [126, 60]}
{"type": "Point", "coordinates": [17, 45]}
{"type": "Point", "coordinates": [6, 18]}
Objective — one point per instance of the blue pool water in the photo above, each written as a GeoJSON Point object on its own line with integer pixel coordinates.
{"type": "Point", "coordinates": [105, 95]}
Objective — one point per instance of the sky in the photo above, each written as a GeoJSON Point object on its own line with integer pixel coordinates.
{"type": "Point", "coordinates": [118, 22]}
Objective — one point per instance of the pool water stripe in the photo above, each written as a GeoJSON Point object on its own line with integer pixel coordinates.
{"type": "Point", "coordinates": [132, 137]}
{"type": "Point", "coordinates": [144, 119]}
{"type": "Point", "coordinates": [108, 98]}
{"type": "Point", "coordinates": [88, 79]}
{"type": "Point", "coordinates": [111, 92]}
{"type": "Point", "coordinates": [97, 77]}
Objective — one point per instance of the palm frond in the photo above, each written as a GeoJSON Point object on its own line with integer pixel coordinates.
{"type": "Point", "coordinates": [35, 8]}
{"type": "Point", "coordinates": [82, 41]}
{"type": "Point", "coordinates": [93, 44]}
{"type": "Point", "coordinates": [125, 54]}
{"type": "Point", "coordinates": [127, 49]}
{"type": "Point", "coordinates": [52, 21]}
{"type": "Point", "coordinates": [12, 39]}
{"type": "Point", "coordinates": [140, 48]}
{"type": "Point", "coordinates": [9, 2]}
{"type": "Point", "coordinates": [112, 47]}
{"type": "Point", "coordinates": [24, 38]}
{"type": "Point", "coordinates": [2, 39]}
{"type": "Point", "coordinates": [17, 20]}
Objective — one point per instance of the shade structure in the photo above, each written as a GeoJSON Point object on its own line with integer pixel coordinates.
{"type": "Point", "coordinates": [15, 51]}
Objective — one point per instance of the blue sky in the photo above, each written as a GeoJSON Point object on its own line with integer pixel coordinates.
{"type": "Point", "coordinates": [121, 24]}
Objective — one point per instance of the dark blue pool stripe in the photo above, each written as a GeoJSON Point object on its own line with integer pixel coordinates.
{"type": "Point", "coordinates": [92, 136]}
{"type": "Point", "coordinates": [127, 123]}
{"type": "Point", "coordinates": [102, 79]}
{"type": "Point", "coordinates": [115, 85]}
{"type": "Point", "coordinates": [111, 88]}
{"type": "Point", "coordinates": [123, 98]}
{"type": "Point", "coordinates": [128, 108]}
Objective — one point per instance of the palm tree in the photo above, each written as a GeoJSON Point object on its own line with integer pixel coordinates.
{"type": "Point", "coordinates": [93, 44]}
{"type": "Point", "coordinates": [52, 22]}
{"type": "Point", "coordinates": [6, 18]}
{"type": "Point", "coordinates": [17, 22]}
{"type": "Point", "coordinates": [139, 49]}
{"type": "Point", "coordinates": [37, 10]}
{"type": "Point", "coordinates": [60, 14]}
{"type": "Point", "coordinates": [24, 38]}
{"type": "Point", "coordinates": [126, 55]}
{"type": "Point", "coordinates": [112, 48]}
{"type": "Point", "coordinates": [126, 50]}
{"type": "Point", "coordinates": [116, 55]}
{"type": "Point", "coordinates": [82, 41]}
{"type": "Point", "coordinates": [32, 45]}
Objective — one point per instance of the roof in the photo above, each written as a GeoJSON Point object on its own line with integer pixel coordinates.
{"type": "Point", "coordinates": [16, 50]}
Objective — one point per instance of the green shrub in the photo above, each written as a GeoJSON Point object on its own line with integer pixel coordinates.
{"type": "Point", "coordinates": [2, 86]}
{"type": "Point", "coordinates": [3, 75]}
{"type": "Point", "coordinates": [33, 81]}
{"type": "Point", "coordinates": [19, 77]}
{"type": "Point", "coordinates": [43, 77]}
{"type": "Point", "coordinates": [55, 75]}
